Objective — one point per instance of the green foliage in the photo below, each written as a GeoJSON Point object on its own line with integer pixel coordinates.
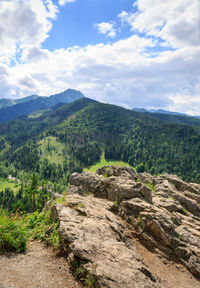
{"type": "Point", "coordinates": [83, 129]}
{"type": "Point", "coordinates": [81, 273]}
{"type": "Point", "coordinates": [27, 198]}
{"type": "Point", "coordinates": [42, 227]}
{"type": "Point", "coordinates": [184, 211]}
{"type": "Point", "coordinates": [13, 234]}
{"type": "Point", "coordinates": [104, 162]}
{"type": "Point", "coordinates": [140, 168]}
{"type": "Point", "coordinates": [152, 186]}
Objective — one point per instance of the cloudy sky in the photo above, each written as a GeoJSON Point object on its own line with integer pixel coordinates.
{"type": "Point", "coordinates": [143, 53]}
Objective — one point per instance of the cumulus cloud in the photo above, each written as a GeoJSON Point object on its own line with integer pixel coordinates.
{"type": "Point", "coordinates": [63, 2]}
{"type": "Point", "coordinates": [106, 29]}
{"type": "Point", "coordinates": [123, 72]}
{"type": "Point", "coordinates": [24, 24]}
{"type": "Point", "coordinates": [176, 22]}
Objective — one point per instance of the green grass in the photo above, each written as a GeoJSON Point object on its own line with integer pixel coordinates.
{"type": "Point", "coordinates": [52, 150]}
{"type": "Point", "coordinates": [13, 234]}
{"type": "Point", "coordinates": [4, 183]}
{"type": "Point", "coordinates": [104, 162]}
{"type": "Point", "coordinates": [152, 186]}
{"type": "Point", "coordinates": [16, 231]}
{"type": "Point", "coordinates": [41, 226]}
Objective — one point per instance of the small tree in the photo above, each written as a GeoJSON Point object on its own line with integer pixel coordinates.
{"type": "Point", "coordinates": [140, 168]}
{"type": "Point", "coordinates": [34, 190]}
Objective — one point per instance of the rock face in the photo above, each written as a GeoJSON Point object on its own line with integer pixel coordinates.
{"type": "Point", "coordinates": [163, 212]}
{"type": "Point", "coordinates": [97, 238]}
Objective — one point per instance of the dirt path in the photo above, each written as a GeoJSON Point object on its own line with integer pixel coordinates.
{"type": "Point", "coordinates": [168, 273]}
{"type": "Point", "coordinates": [38, 268]}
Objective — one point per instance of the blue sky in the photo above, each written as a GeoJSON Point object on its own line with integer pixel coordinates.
{"type": "Point", "coordinates": [74, 24]}
{"type": "Point", "coordinates": [143, 53]}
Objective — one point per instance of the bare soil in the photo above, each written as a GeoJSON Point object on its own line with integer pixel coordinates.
{"type": "Point", "coordinates": [168, 273]}
{"type": "Point", "coordinates": [39, 267]}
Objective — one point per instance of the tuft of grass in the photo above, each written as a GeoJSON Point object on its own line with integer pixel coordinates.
{"type": "Point", "coordinates": [13, 234]}
{"type": "Point", "coordinates": [184, 211]}
{"type": "Point", "coordinates": [82, 274]}
{"type": "Point", "coordinates": [152, 186]}
{"type": "Point", "coordinates": [139, 222]}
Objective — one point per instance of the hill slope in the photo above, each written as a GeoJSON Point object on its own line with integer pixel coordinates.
{"type": "Point", "coordinates": [74, 137]}
{"type": "Point", "coordinates": [173, 117]}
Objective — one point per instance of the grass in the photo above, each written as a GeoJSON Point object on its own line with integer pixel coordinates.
{"type": "Point", "coordinates": [13, 234]}
{"type": "Point", "coordinates": [16, 231]}
{"type": "Point", "coordinates": [42, 227]}
{"type": "Point", "coordinates": [52, 150]}
{"type": "Point", "coordinates": [152, 186]}
{"type": "Point", "coordinates": [4, 183]}
{"type": "Point", "coordinates": [104, 162]}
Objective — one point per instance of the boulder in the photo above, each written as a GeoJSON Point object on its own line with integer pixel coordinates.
{"type": "Point", "coordinates": [163, 211]}
{"type": "Point", "coordinates": [101, 244]}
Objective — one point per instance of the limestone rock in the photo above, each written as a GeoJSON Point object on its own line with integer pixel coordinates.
{"type": "Point", "coordinates": [162, 211]}
{"type": "Point", "coordinates": [102, 243]}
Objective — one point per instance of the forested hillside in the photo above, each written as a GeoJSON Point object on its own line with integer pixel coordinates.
{"type": "Point", "coordinates": [74, 136]}
{"type": "Point", "coordinates": [187, 120]}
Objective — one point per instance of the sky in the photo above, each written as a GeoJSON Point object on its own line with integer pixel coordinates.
{"type": "Point", "coordinates": [132, 53]}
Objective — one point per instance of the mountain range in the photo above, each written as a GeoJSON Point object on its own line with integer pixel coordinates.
{"type": "Point", "coordinates": [30, 104]}
{"type": "Point", "coordinates": [69, 137]}
{"type": "Point", "coordinates": [158, 111]}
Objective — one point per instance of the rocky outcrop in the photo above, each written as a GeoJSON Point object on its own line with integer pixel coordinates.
{"type": "Point", "coordinates": [161, 211]}
{"type": "Point", "coordinates": [98, 242]}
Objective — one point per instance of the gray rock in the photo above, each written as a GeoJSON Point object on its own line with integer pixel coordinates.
{"type": "Point", "coordinates": [166, 218]}
{"type": "Point", "coordinates": [102, 243]}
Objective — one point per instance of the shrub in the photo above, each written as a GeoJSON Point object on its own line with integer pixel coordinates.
{"type": "Point", "coordinates": [140, 168]}
{"type": "Point", "coordinates": [42, 227]}
{"type": "Point", "coordinates": [13, 234]}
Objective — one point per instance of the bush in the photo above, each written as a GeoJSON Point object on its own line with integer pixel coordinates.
{"type": "Point", "coordinates": [42, 227]}
{"type": "Point", "coordinates": [13, 234]}
{"type": "Point", "coordinates": [140, 168]}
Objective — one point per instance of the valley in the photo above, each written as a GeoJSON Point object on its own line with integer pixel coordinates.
{"type": "Point", "coordinates": [55, 165]}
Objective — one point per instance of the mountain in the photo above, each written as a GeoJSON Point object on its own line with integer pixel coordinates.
{"type": "Point", "coordinates": [38, 103]}
{"type": "Point", "coordinates": [4, 102]}
{"type": "Point", "coordinates": [158, 111]}
{"type": "Point", "coordinates": [75, 135]}
{"type": "Point", "coordinates": [161, 111]}
{"type": "Point", "coordinates": [173, 117]}
{"type": "Point", "coordinates": [142, 110]}
{"type": "Point", "coordinates": [186, 120]}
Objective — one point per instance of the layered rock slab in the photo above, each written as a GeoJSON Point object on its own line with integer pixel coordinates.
{"type": "Point", "coordinates": [163, 210]}
{"type": "Point", "coordinates": [98, 238]}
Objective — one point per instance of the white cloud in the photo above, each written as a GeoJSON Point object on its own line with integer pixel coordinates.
{"type": "Point", "coordinates": [127, 17]}
{"type": "Point", "coordinates": [117, 73]}
{"type": "Point", "coordinates": [63, 2]}
{"type": "Point", "coordinates": [176, 22]}
{"type": "Point", "coordinates": [121, 73]}
{"type": "Point", "coordinates": [24, 24]}
{"type": "Point", "coordinates": [106, 29]}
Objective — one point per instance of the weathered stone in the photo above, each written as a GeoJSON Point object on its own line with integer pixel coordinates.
{"type": "Point", "coordinates": [167, 218]}
{"type": "Point", "coordinates": [114, 188]}
{"type": "Point", "coordinates": [102, 242]}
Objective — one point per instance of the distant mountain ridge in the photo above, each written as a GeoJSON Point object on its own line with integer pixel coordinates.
{"type": "Point", "coordinates": [5, 102]}
{"type": "Point", "coordinates": [36, 103]}
{"type": "Point", "coordinates": [173, 117]}
{"type": "Point", "coordinates": [159, 111]}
